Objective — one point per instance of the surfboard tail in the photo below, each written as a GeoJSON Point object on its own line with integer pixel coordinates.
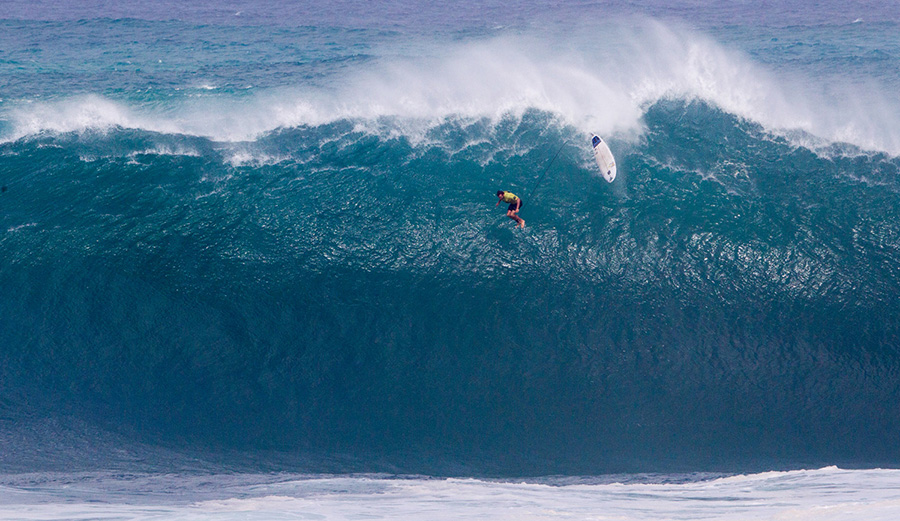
{"type": "Point", "coordinates": [604, 157]}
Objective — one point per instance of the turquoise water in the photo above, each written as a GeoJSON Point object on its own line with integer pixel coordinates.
{"type": "Point", "coordinates": [241, 238]}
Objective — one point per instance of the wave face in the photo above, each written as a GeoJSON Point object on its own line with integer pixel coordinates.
{"type": "Point", "coordinates": [317, 271]}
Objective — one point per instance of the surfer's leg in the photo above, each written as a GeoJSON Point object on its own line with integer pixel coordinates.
{"type": "Point", "coordinates": [512, 215]}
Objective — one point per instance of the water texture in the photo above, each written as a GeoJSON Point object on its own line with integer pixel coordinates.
{"type": "Point", "coordinates": [267, 238]}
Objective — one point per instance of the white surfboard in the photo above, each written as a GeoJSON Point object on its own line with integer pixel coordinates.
{"type": "Point", "coordinates": [604, 157]}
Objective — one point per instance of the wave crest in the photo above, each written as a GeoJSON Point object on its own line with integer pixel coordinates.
{"type": "Point", "coordinates": [603, 86]}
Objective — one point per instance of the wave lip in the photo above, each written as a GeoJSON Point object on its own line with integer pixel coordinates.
{"type": "Point", "coordinates": [603, 89]}
{"type": "Point", "coordinates": [78, 114]}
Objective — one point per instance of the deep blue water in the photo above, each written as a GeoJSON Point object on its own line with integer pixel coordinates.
{"type": "Point", "coordinates": [260, 237]}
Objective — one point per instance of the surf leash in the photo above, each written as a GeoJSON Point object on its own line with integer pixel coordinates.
{"type": "Point", "coordinates": [531, 192]}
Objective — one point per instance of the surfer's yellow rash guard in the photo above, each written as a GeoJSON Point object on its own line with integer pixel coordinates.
{"type": "Point", "coordinates": [509, 198]}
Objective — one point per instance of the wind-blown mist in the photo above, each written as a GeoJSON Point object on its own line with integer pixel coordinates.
{"type": "Point", "coordinates": [594, 88]}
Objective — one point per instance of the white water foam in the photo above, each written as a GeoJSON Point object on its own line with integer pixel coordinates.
{"type": "Point", "coordinates": [829, 494]}
{"type": "Point", "coordinates": [603, 88]}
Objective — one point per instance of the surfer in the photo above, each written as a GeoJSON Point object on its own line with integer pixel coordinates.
{"type": "Point", "coordinates": [515, 203]}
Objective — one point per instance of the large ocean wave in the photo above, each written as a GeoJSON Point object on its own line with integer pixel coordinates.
{"type": "Point", "coordinates": [729, 299]}
{"type": "Point", "coordinates": [319, 269]}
